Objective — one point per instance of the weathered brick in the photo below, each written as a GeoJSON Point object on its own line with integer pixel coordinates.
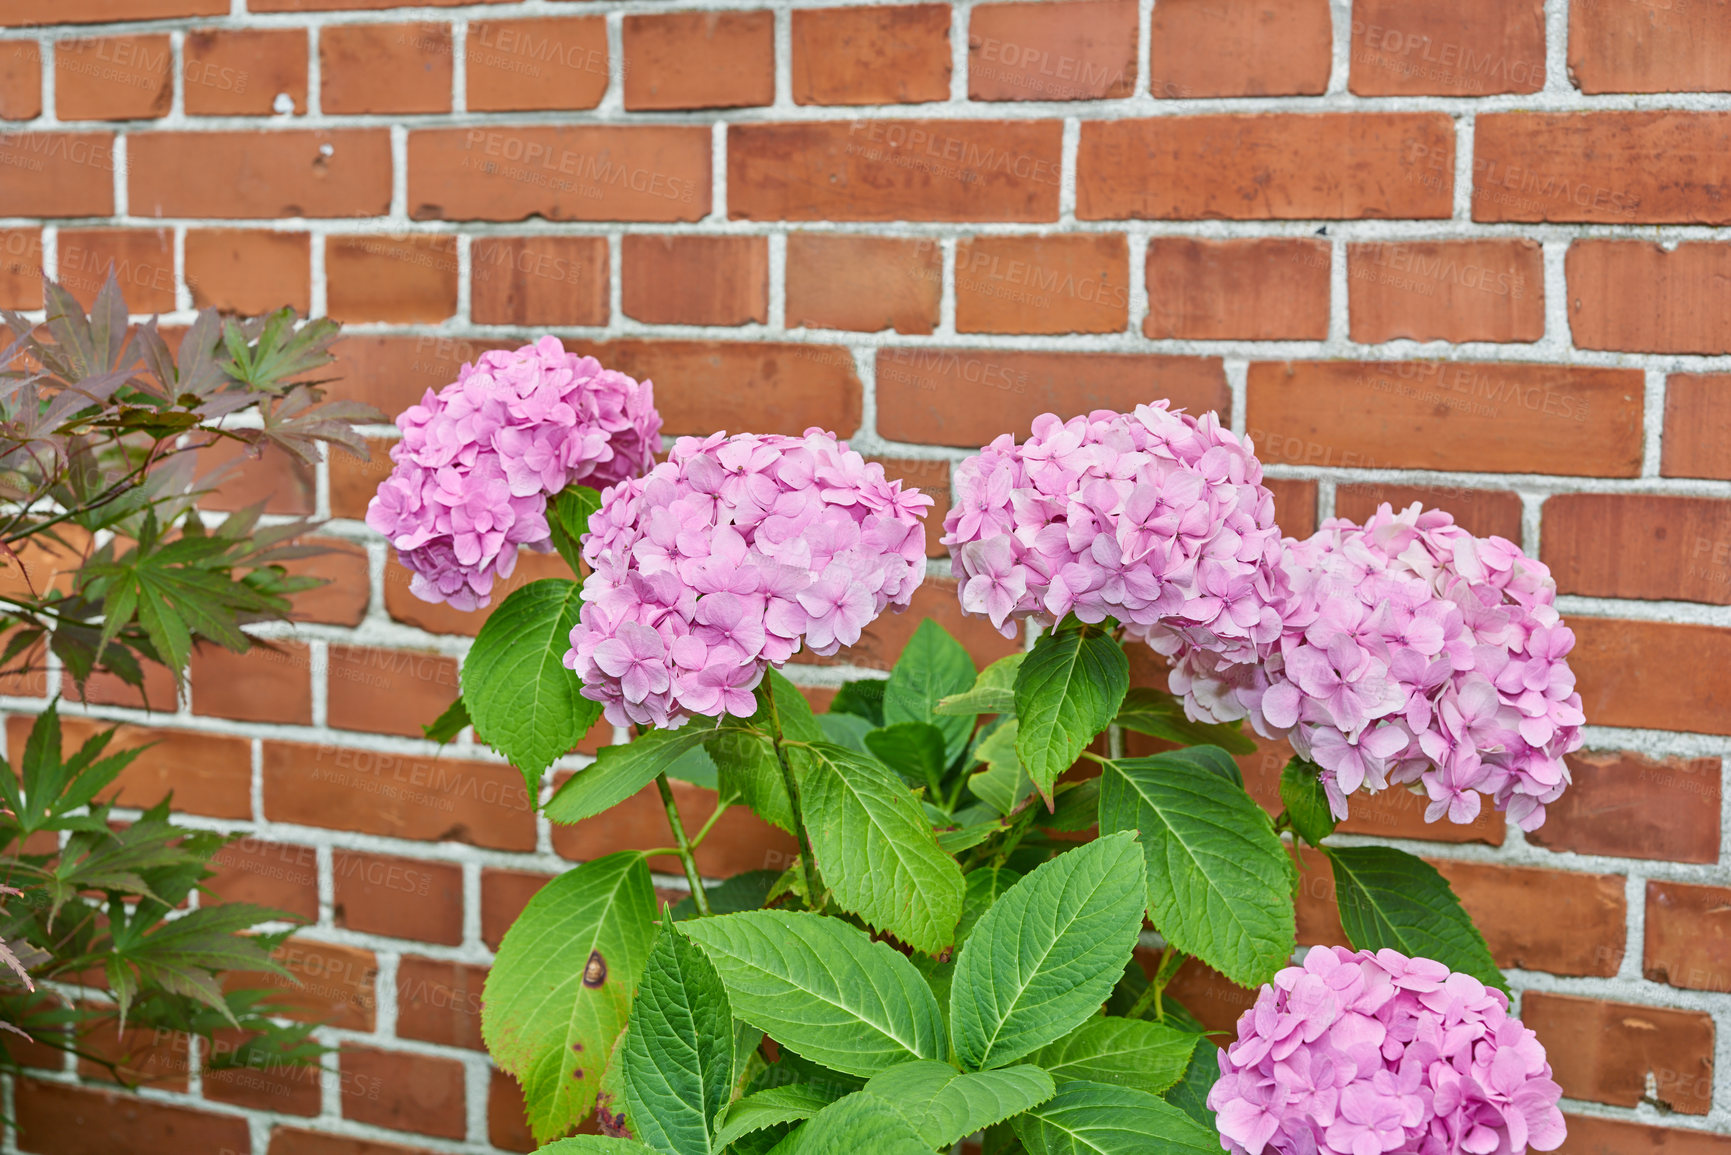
{"type": "Point", "coordinates": [380, 68]}
{"type": "Point", "coordinates": [1059, 284]}
{"type": "Point", "coordinates": [1631, 806]}
{"type": "Point", "coordinates": [294, 1141]}
{"type": "Point", "coordinates": [268, 683]}
{"type": "Point", "coordinates": [353, 482]}
{"type": "Point", "coordinates": [402, 278]}
{"type": "Point", "coordinates": [440, 1001]}
{"type": "Point", "coordinates": [273, 874]}
{"type": "Point", "coordinates": [1484, 512]}
{"type": "Point", "coordinates": [397, 897]}
{"type": "Point", "coordinates": [538, 281]}
{"type": "Point", "coordinates": [896, 54]}
{"type": "Point", "coordinates": [1447, 47]}
{"type": "Point", "coordinates": [21, 269]}
{"type": "Point", "coordinates": [342, 566]}
{"type": "Point", "coordinates": [1597, 1135]}
{"type": "Point", "coordinates": [1267, 167]}
{"type": "Point", "coordinates": [1489, 417]}
{"type": "Point", "coordinates": [1488, 290]}
{"type": "Point", "coordinates": [1267, 289]}
{"type": "Point", "coordinates": [244, 71]}
{"type": "Point", "coordinates": [522, 65]}
{"type": "Point", "coordinates": [403, 1092]}
{"type": "Point", "coordinates": [712, 59]}
{"type": "Point", "coordinates": [1634, 545]}
{"type": "Point", "coordinates": [209, 774]}
{"type": "Point", "coordinates": [326, 983]}
{"type": "Point", "coordinates": [1697, 409]}
{"type": "Point", "coordinates": [240, 476]}
{"type": "Point", "coordinates": [60, 1119]}
{"type": "Point", "coordinates": [1649, 47]}
{"type": "Point", "coordinates": [1203, 48]}
{"type": "Point", "coordinates": [685, 280]}
{"type": "Point", "coordinates": [1294, 505]}
{"type": "Point", "coordinates": [249, 271]}
{"type": "Point", "coordinates": [866, 284]}
{"type": "Point", "coordinates": [70, 174]}
{"type": "Point", "coordinates": [404, 606]}
{"type": "Point", "coordinates": [141, 260]}
{"type": "Point", "coordinates": [387, 691]}
{"type": "Point", "coordinates": [24, 13]}
{"type": "Point", "coordinates": [1605, 1052]}
{"type": "Point", "coordinates": [1635, 297]}
{"type": "Point", "coordinates": [1615, 661]}
{"type": "Point", "coordinates": [506, 1125]}
{"type": "Point", "coordinates": [504, 894]}
{"type": "Point", "coordinates": [1545, 920]}
{"type": "Point", "coordinates": [286, 1088]}
{"type": "Point", "coordinates": [1688, 941]}
{"type": "Point", "coordinates": [21, 78]}
{"type": "Point", "coordinates": [1083, 50]}
{"type": "Point", "coordinates": [113, 78]}
{"type": "Point", "coordinates": [343, 172]}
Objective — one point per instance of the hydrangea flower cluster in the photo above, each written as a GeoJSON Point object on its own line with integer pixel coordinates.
{"type": "Point", "coordinates": [1361, 1054]}
{"type": "Point", "coordinates": [1412, 652]}
{"type": "Point", "coordinates": [478, 460]}
{"type": "Point", "coordinates": [1155, 518]}
{"type": "Point", "coordinates": [727, 558]}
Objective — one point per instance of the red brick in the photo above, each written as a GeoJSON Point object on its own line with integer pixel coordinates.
{"type": "Point", "coordinates": [1294, 505]}
{"type": "Point", "coordinates": [1688, 936]}
{"type": "Point", "coordinates": [1596, 1135]}
{"type": "Point", "coordinates": [398, 897]}
{"type": "Point", "coordinates": [1605, 1052]}
{"type": "Point", "coordinates": [1490, 290]}
{"type": "Point", "coordinates": [21, 78]}
{"type": "Point", "coordinates": [134, 1056]}
{"type": "Point", "coordinates": [71, 174]}
{"type": "Point", "coordinates": [387, 691]}
{"type": "Point", "coordinates": [24, 13]}
{"type": "Point", "coordinates": [271, 874]}
{"type": "Point", "coordinates": [766, 387]}
{"type": "Point", "coordinates": [522, 65]}
{"type": "Point", "coordinates": [102, 688]}
{"type": "Point", "coordinates": [930, 477]}
{"type": "Point", "coordinates": [1447, 47]}
{"type": "Point", "coordinates": [1545, 920]}
{"type": "Point", "coordinates": [1697, 408]}
{"type": "Point", "coordinates": [1202, 48]}
{"type": "Point", "coordinates": [113, 78]}
{"type": "Point", "coordinates": [327, 983]}
{"type": "Point", "coordinates": [1268, 289]}
{"type": "Point", "coordinates": [382, 68]}
{"type": "Point", "coordinates": [282, 173]}
{"type": "Point", "coordinates": [1632, 806]}
{"type": "Point", "coordinates": [1214, 999]}
{"type": "Point", "coordinates": [882, 642]}
{"type": "Point", "coordinates": [340, 5]}
{"type": "Point", "coordinates": [440, 618]}
{"type": "Point", "coordinates": [209, 774]}
{"type": "Point", "coordinates": [21, 269]}
{"type": "Point", "coordinates": [288, 1088]}
{"type": "Point", "coordinates": [1484, 512]}
{"type": "Point", "coordinates": [740, 841]}
{"type": "Point", "coordinates": [966, 397]}
{"type": "Point", "coordinates": [240, 476]}
{"type": "Point", "coordinates": [699, 60]}
{"type": "Point", "coordinates": [440, 1002]}
{"type": "Point", "coordinates": [1640, 546]}
{"type": "Point", "coordinates": [403, 1092]}
{"type": "Point", "coordinates": [353, 481]}
{"type": "Point", "coordinates": [1267, 167]}
{"type": "Point", "coordinates": [865, 284]}
{"type": "Point", "coordinates": [1649, 48]}
{"type": "Point", "coordinates": [425, 799]}
{"type": "Point", "coordinates": [268, 683]}
{"type": "Point", "coordinates": [1057, 284]}
{"type": "Point", "coordinates": [142, 261]}
{"type": "Point", "coordinates": [249, 271]}
{"type": "Point", "coordinates": [887, 170]}
{"type": "Point", "coordinates": [888, 55]}
{"type": "Point", "coordinates": [1633, 296]}
{"type": "Point", "coordinates": [689, 280]}
{"type": "Point", "coordinates": [391, 278]}
{"type": "Point", "coordinates": [538, 281]}
{"type": "Point", "coordinates": [506, 1125]}
{"type": "Point", "coordinates": [242, 71]}
{"type": "Point", "coordinates": [1485, 417]}
{"type": "Point", "coordinates": [1616, 663]}
{"type": "Point", "coordinates": [1081, 50]}
{"type": "Point", "coordinates": [58, 1119]}
{"type": "Point", "coordinates": [342, 566]}
{"type": "Point", "coordinates": [562, 173]}
{"type": "Point", "coordinates": [291, 1141]}
{"type": "Point", "coordinates": [1616, 167]}
{"type": "Point", "coordinates": [504, 894]}
{"type": "Point", "coordinates": [392, 371]}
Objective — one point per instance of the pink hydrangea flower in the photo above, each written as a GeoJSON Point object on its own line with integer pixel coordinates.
{"type": "Point", "coordinates": [1368, 1053]}
{"type": "Point", "coordinates": [1412, 653]}
{"type": "Point", "coordinates": [726, 559]}
{"type": "Point", "coordinates": [1154, 518]}
{"type": "Point", "coordinates": [478, 460]}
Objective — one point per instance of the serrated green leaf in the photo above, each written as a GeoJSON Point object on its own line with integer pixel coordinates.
{"type": "Point", "coordinates": [852, 1126]}
{"type": "Point", "coordinates": [1306, 802]}
{"type": "Point", "coordinates": [932, 666]}
{"type": "Point", "coordinates": [845, 730]}
{"type": "Point", "coordinates": [568, 520]}
{"type": "Point", "coordinates": [993, 692]}
{"type": "Point", "coordinates": [522, 700]}
{"type": "Point", "coordinates": [448, 724]}
{"type": "Point", "coordinates": [875, 848]}
{"type": "Point", "coordinates": [1067, 692]}
{"type": "Point", "coordinates": [1160, 715]}
{"type": "Point", "coordinates": [594, 1145]}
{"type": "Point", "coordinates": [985, 887]}
{"type": "Point", "coordinates": [1135, 1053]}
{"type": "Point", "coordinates": [1098, 1119]}
{"type": "Point", "coordinates": [747, 891]}
{"type": "Point", "coordinates": [915, 750]}
{"type": "Point", "coordinates": [618, 772]}
{"type": "Point", "coordinates": [944, 1105]}
{"type": "Point", "coordinates": [862, 698]}
{"type": "Point", "coordinates": [678, 1055]}
{"type": "Point", "coordinates": [1390, 899]}
{"type": "Point", "coordinates": [1045, 956]}
{"type": "Point", "coordinates": [768, 1108]}
{"type": "Point", "coordinates": [1219, 882]}
{"type": "Point", "coordinates": [1004, 782]}
{"type": "Point", "coordinates": [823, 989]}
{"type": "Point", "coordinates": [560, 988]}
{"type": "Point", "coordinates": [1190, 1093]}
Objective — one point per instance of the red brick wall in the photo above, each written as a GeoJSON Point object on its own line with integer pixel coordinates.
{"type": "Point", "coordinates": [1470, 252]}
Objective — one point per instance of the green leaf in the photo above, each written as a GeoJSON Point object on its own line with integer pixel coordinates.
{"type": "Point", "coordinates": [863, 698]}
{"type": "Point", "coordinates": [1190, 1093]}
{"type": "Point", "coordinates": [618, 772]}
{"type": "Point", "coordinates": [932, 666]}
{"type": "Point", "coordinates": [855, 1125]}
{"type": "Point", "coordinates": [823, 989]}
{"type": "Point", "coordinates": [560, 988]}
{"type": "Point", "coordinates": [1067, 691]}
{"type": "Point", "coordinates": [1219, 880]}
{"type": "Point", "coordinates": [915, 750]}
{"type": "Point", "coordinates": [768, 1108]}
{"type": "Point", "coordinates": [1077, 809]}
{"type": "Point", "coordinates": [678, 1053]}
{"type": "Point", "coordinates": [1004, 782]}
{"type": "Point", "coordinates": [594, 1145]}
{"type": "Point", "coordinates": [945, 1105]}
{"type": "Point", "coordinates": [985, 886]}
{"type": "Point", "coordinates": [1099, 1119]}
{"type": "Point", "coordinates": [748, 891]}
{"type": "Point", "coordinates": [1306, 802]}
{"type": "Point", "coordinates": [1045, 956]}
{"type": "Point", "coordinates": [845, 730]}
{"type": "Point", "coordinates": [1123, 1052]}
{"type": "Point", "coordinates": [875, 848]}
{"type": "Point", "coordinates": [993, 692]}
{"type": "Point", "coordinates": [744, 757]}
{"type": "Point", "coordinates": [1160, 715]}
{"type": "Point", "coordinates": [1391, 899]}
{"type": "Point", "coordinates": [568, 519]}
{"type": "Point", "coordinates": [523, 701]}
{"type": "Point", "coordinates": [449, 724]}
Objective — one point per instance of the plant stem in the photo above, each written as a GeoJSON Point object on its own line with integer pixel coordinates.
{"type": "Point", "coordinates": [686, 857]}
{"type": "Point", "coordinates": [791, 782]}
{"type": "Point", "coordinates": [709, 824]}
{"type": "Point", "coordinates": [1151, 996]}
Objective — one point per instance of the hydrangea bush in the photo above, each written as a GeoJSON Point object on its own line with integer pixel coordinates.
{"type": "Point", "coordinates": [949, 955]}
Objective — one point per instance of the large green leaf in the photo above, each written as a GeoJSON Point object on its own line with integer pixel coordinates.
{"type": "Point", "coordinates": [985, 886]}
{"type": "Point", "coordinates": [1067, 691]}
{"type": "Point", "coordinates": [594, 1145]}
{"type": "Point", "coordinates": [678, 1053]}
{"type": "Point", "coordinates": [932, 666]}
{"type": "Point", "coordinates": [1004, 782]}
{"type": "Point", "coordinates": [1390, 899]}
{"type": "Point", "coordinates": [855, 1125]}
{"type": "Point", "coordinates": [823, 989]}
{"type": "Point", "coordinates": [561, 985]}
{"type": "Point", "coordinates": [768, 1108]}
{"type": "Point", "coordinates": [915, 750]}
{"type": "Point", "coordinates": [745, 762]}
{"type": "Point", "coordinates": [1190, 1093]}
{"type": "Point", "coordinates": [1160, 715]}
{"type": "Point", "coordinates": [1124, 1052]}
{"type": "Point", "coordinates": [1219, 880]}
{"type": "Point", "coordinates": [945, 1105]}
{"type": "Point", "coordinates": [1306, 802]}
{"type": "Point", "coordinates": [618, 772]}
{"type": "Point", "coordinates": [1046, 955]}
{"type": "Point", "coordinates": [1099, 1119]}
{"type": "Point", "coordinates": [875, 848]}
{"type": "Point", "coordinates": [522, 700]}
{"type": "Point", "coordinates": [993, 692]}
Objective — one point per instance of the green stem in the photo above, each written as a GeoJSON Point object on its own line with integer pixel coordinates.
{"type": "Point", "coordinates": [709, 824]}
{"type": "Point", "coordinates": [791, 782]}
{"type": "Point", "coordinates": [686, 857]}
{"type": "Point", "coordinates": [1152, 996]}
